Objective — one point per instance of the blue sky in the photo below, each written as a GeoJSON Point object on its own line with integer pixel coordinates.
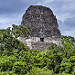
{"type": "Point", "coordinates": [11, 12]}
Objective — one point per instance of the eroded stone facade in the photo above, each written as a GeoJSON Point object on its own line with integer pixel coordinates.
{"type": "Point", "coordinates": [43, 26]}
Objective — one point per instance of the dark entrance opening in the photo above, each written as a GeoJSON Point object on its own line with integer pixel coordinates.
{"type": "Point", "coordinates": [41, 39]}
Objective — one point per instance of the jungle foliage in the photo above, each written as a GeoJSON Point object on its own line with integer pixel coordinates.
{"type": "Point", "coordinates": [18, 59]}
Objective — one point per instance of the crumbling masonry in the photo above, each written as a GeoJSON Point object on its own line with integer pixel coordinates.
{"type": "Point", "coordinates": [43, 26]}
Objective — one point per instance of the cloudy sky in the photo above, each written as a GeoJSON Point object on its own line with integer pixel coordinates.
{"type": "Point", "coordinates": [11, 12]}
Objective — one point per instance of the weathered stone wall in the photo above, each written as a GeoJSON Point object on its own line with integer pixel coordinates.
{"type": "Point", "coordinates": [42, 46]}
{"type": "Point", "coordinates": [41, 22]}
{"type": "Point", "coordinates": [35, 43]}
{"type": "Point", "coordinates": [43, 26]}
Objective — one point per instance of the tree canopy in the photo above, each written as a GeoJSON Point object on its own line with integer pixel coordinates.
{"type": "Point", "coordinates": [18, 59]}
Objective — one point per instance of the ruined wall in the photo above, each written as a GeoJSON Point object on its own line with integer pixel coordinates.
{"type": "Point", "coordinates": [43, 26]}
{"type": "Point", "coordinates": [41, 22]}
{"type": "Point", "coordinates": [35, 43]}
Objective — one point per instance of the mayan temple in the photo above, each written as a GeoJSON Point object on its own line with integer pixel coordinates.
{"type": "Point", "coordinates": [43, 26]}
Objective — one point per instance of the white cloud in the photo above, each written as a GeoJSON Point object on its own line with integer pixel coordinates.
{"type": "Point", "coordinates": [69, 33]}
{"type": "Point", "coordinates": [68, 6]}
{"type": "Point", "coordinates": [3, 20]}
{"type": "Point", "coordinates": [63, 16]}
{"type": "Point", "coordinates": [8, 21]}
{"type": "Point", "coordinates": [47, 1]}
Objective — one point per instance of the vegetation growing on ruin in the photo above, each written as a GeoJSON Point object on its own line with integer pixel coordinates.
{"type": "Point", "coordinates": [18, 59]}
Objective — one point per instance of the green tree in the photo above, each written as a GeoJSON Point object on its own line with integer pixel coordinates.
{"type": "Point", "coordinates": [9, 41]}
